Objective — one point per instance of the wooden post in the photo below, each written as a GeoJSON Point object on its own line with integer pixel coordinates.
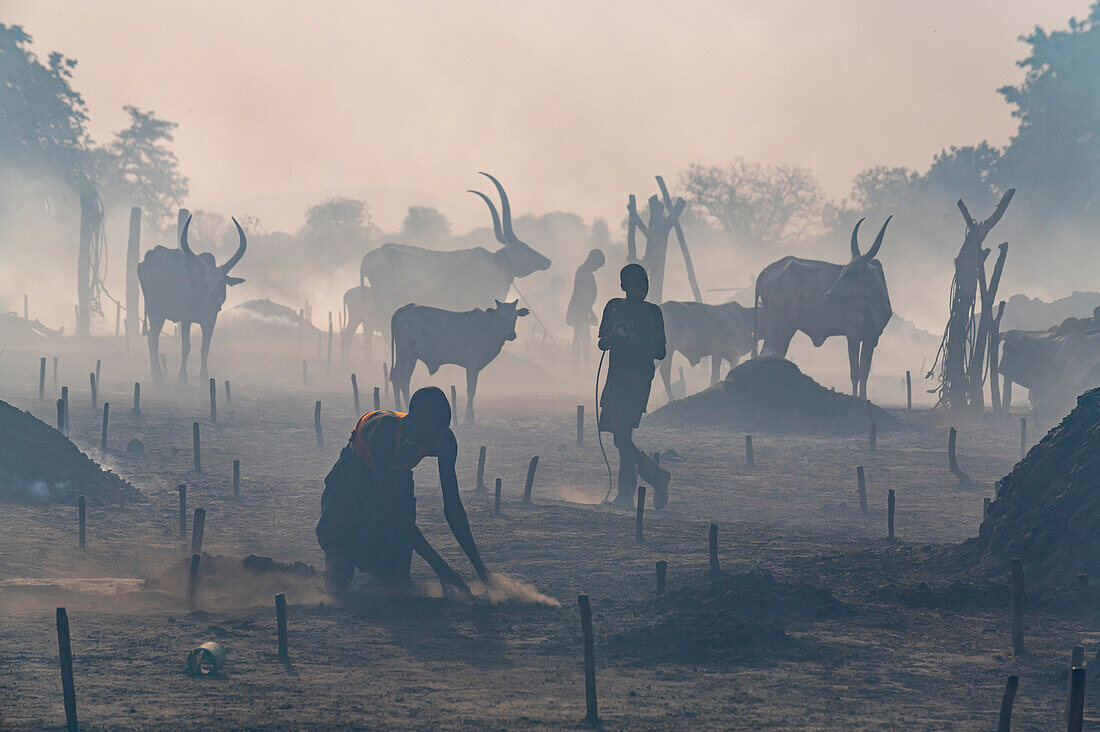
{"type": "Point", "coordinates": [305, 372]}
{"type": "Point", "coordinates": [640, 513]}
{"type": "Point", "coordinates": [377, 399]}
{"type": "Point", "coordinates": [1023, 437]}
{"type": "Point", "coordinates": [328, 357]}
{"type": "Point", "coordinates": [890, 502]}
{"type": "Point", "coordinates": [196, 447]}
{"type": "Point", "coordinates": [530, 479]}
{"type": "Point", "coordinates": [82, 513]}
{"type": "Point", "coordinates": [480, 465]}
{"type": "Point", "coordinates": [1076, 660]}
{"type": "Point", "coordinates": [280, 622]}
{"type": "Point", "coordinates": [213, 401]}
{"type": "Point", "coordinates": [386, 379]}
{"type": "Point", "coordinates": [496, 499]}
{"type": "Point", "coordinates": [580, 425]}
{"type": "Point", "coordinates": [454, 406]}
{"type": "Point", "coordinates": [95, 396]}
{"type": "Point", "coordinates": [61, 416]}
{"type": "Point", "coordinates": [42, 378]}
{"type": "Point", "coordinates": [133, 286]}
{"type": "Point", "coordinates": [750, 458]}
{"type": "Point", "coordinates": [715, 570]}
{"type": "Point", "coordinates": [355, 394]}
{"type": "Point", "coordinates": [662, 572]}
{"type": "Point", "coordinates": [193, 580]}
{"type": "Point", "coordinates": [103, 432]}
{"type": "Point", "coordinates": [198, 526]}
{"type": "Point", "coordinates": [228, 395]}
{"type": "Point", "coordinates": [861, 482]}
{"type": "Point", "coordinates": [183, 510]}
{"type": "Point", "coordinates": [65, 652]}
{"type": "Point", "coordinates": [137, 398]}
{"type": "Point", "coordinates": [1076, 700]}
{"type": "Point", "coordinates": [98, 365]}
{"type": "Point", "coordinates": [65, 410]}
{"type": "Point", "coordinates": [236, 478]}
{"type": "Point", "coordinates": [952, 461]}
{"type": "Point", "coordinates": [317, 424]}
{"type": "Point", "coordinates": [591, 715]}
{"type": "Point", "coordinates": [908, 391]}
{"type": "Point", "coordinates": [55, 373]}
{"type": "Point", "coordinates": [1005, 722]}
{"type": "Point", "coordinates": [872, 436]}
{"type": "Point", "coordinates": [1016, 605]}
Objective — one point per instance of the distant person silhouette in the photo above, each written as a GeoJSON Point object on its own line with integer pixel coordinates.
{"type": "Point", "coordinates": [579, 316]}
{"type": "Point", "coordinates": [632, 331]}
{"type": "Point", "coordinates": [368, 510]}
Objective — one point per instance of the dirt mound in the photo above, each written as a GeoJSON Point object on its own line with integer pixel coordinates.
{"type": "Point", "coordinates": [1047, 510]}
{"type": "Point", "coordinates": [229, 581]}
{"type": "Point", "coordinates": [771, 394]}
{"type": "Point", "coordinates": [40, 465]}
{"type": "Point", "coordinates": [741, 620]}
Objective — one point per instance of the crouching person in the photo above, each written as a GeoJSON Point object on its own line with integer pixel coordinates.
{"type": "Point", "coordinates": [368, 510]}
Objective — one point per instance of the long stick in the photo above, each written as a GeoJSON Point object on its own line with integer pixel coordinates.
{"type": "Point", "coordinates": [183, 510]}
{"type": "Point", "coordinates": [103, 432]}
{"type": "Point", "coordinates": [1005, 722]}
{"type": "Point", "coordinates": [65, 651]}
{"type": "Point", "coordinates": [688, 266]}
{"type": "Point", "coordinates": [280, 620]}
{"type": "Point", "coordinates": [531, 467]}
{"type": "Point", "coordinates": [640, 514]}
{"type": "Point", "coordinates": [42, 378]}
{"type": "Point", "coordinates": [580, 424]}
{"type": "Point", "coordinates": [198, 527]}
{"type": "Point", "coordinates": [861, 482]}
{"type": "Point", "coordinates": [355, 393]}
{"type": "Point", "coordinates": [214, 401]}
{"type": "Point", "coordinates": [891, 500]}
{"type": "Point", "coordinates": [712, 545]}
{"type": "Point", "coordinates": [317, 424]}
{"type": "Point", "coordinates": [196, 446]}
{"type": "Point", "coordinates": [1076, 700]}
{"type": "Point", "coordinates": [591, 714]}
{"type": "Point", "coordinates": [480, 468]}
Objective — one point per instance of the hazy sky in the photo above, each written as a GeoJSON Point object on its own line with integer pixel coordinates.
{"type": "Point", "coordinates": [572, 104]}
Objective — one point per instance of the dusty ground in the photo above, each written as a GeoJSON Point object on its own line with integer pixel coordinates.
{"type": "Point", "coordinates": [425, 662]}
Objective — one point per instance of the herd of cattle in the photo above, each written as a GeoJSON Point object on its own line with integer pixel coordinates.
{"type": "Point", "coordinates": [435, 302]}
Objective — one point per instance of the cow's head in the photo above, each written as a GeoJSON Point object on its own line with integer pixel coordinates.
{"type": "Point", "coordinates": [214, 278]}
{"type": "Point", "coordinates": [505, 314]}
{"type": "Point", "coordinates": [522, 259]}
{"type": "Point", "coordinates": [863, 274]}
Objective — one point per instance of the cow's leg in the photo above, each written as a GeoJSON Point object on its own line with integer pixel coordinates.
{"type": "Point", "coordinates": [715, 368]}
{"type": "Point", "coordinates": [207, 334]}
{"type": "Point", "coordinates": [1006, 396]}
{"type": "Point", "coordinates": [865, 354]}
{"type": "Point", "coordinates": [185, 349]}
{"type": "Point", "coordinates": [853, 364]}
{"type": "Point", "coordinates": [666, 375]}
{"type": "Point", "coordinates": [348, 335]}
{"type": "Point", "coordinates": [152, 336]}
{"type": "Point", "coordinates": [471, 389]}
{"type": "Point", "coordinates": [401, 370]}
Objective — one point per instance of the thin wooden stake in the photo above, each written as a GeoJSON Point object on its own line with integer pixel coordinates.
{"type": "Point", "coordinates": [1016, 605]}
{"type": "Point", "coordinates": [1005, 722]}
{"type": "Point", "coordinates": [82, 512]}
{"type": "Point", "coordinates": [196, 447]}
{"type": "Point", "coordinates": [103, 432]}
{"type": "Point", "coordinates": [228, 395]}
{"type": "Point", "coordinates": [61, 416]}
{"type": "Point", "coordinates": [55, 373]}
{"type": "Point", "coordinates": [377, 399]}
{"type": "Point", "coordinates": [65, 402]}
{"type": "Point", "coordinates": [531, 467]}
{"type": "Point", "coordinates": [861, 481]}
{"type": "Point", "coordinates": [1076, 660]}
{"type": "Point", "coordinates": [236, 478]}
{"type": "Point", "coordinates": [328, 357]}
{"type": "Point", "coordinates": [1023, 437]}
{"type": "Point", "coordinates": [872, 437]}
{"type": "Point", "coordinates": [640, 513]}
{"type": "Point", "coordinates": [1076, 700]}
{"type": "Point", "coordinates": [183, 510]}
{"type": "Point", "coordinates": [908, 391]}
{"type": "Point", "coordinates": [591, 714]}
{"type": "Point", "coordinates": [198, 527]}
{"type": "Point", "coordinates": [662, 572]}
{"type": "Point", "coordinates": [580, 425]}
{"type": "Point", "coordinates": [214, 401]}
{"type": "Point", "coordinates": [750, 458]}
{"type": "Point", "coordinates": [193, 580]}
{"type": "Point", "coordinates": [890, 502]}
{"type": "Point", "coordinates": [317, 424]}
{"type": "Point", "coordinates": [42, 378]}
{"type": "Point", "coordinates": [137, 398]}
{"type": "Point", "coordinates": [95, 395]}
{"type": "Point", "coordinates": [280, 622]}
{"type": "Point", "coordinates": [98, 364]}
{"type": "Point", "coordinates": [480, 465]}
{"type": "Point", "coordinates": [496, 499]}
{"type": "Point", "coordinates": [454, 406]}
{"type": "Point", "coordinates": [712, 543]}
{"type": "Point", "coordinates": [65, 652]}
{"type": "Point", "coordinates": [355, 393]}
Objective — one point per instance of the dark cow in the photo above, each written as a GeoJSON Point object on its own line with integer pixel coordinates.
{"type": "Point", "coordinates": [359, 309]}
{"type": "Point", "coordinates": [186, 288]}
{"type": "Point", "coordinates": [1056, 365]}
{"type": "Point", "coordinates": [698, 330]}
{"type": "Point", "coordinates": [471, 340]}
{"type": "Point", "coordinates": [456, 280]}
{"type": "Point", "coordinates": [823, 299]}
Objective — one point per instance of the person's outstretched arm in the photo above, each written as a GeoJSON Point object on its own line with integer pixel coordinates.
{"type": "Point", "coordinates": [452, 503]}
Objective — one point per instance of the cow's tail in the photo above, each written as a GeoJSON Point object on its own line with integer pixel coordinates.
{"type": "Point", "coordinates": [755, 315]}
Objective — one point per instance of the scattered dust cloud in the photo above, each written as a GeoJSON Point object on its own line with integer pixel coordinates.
{"type": "Point", "coordinates": [501, 589]}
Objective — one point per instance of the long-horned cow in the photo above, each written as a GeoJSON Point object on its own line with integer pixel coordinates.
{"type": "Point", "coordinates": [471, 340]}
{"type": "Point", "coordinates": [186, 288]}
{"type": "Point", "coordinates": [823, 299]}
{"type": "Point", "coordinates": [698, 330]}
{"type": "Point", "coordinates": [457, 280]}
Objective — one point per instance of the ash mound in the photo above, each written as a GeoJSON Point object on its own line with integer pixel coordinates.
{"type": "Point", "coordinates": [742, 620]}
{"type": "Point", "coordinates": [230, 581]}
{"type": "Point", "coordinates": [40, 465]}
{"type": "Point", "coordinates": [771, 394]}
{"type": "Point", "coordinates": [1047, 510]}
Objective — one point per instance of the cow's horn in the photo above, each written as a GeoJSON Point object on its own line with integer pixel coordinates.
{"type": "Point", "coordinates": [855, 240]}
{"type": "Point", "coordinates": [496, 219]}
{"type": "Point", "coordinates": [240, 249]}
{"type": "Point", "coordinates": [183, 238]}
{"type": "Point", "coordinates": [505, 209]}
{"type": "Point", "coordinates": [873, 251]}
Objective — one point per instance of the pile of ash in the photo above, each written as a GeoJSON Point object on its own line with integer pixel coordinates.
{"type": "Point", "coordinates": [40, 465]}
{"type": "Point", "coordinates": [232, 581]}
{"type": "Point", "coordinates": [740, 620]}
{"type": "Point", "coordinates": [771, 394]}
{"type": "Point", "coordinates": [1047, 510]}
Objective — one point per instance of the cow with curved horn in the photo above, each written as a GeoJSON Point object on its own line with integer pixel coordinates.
{"type": "Point", "coordinates": [186, 288]}
{"type": "Point", "coordinates": [465, 279]}
{"type": "Point", "coordinates": [823, 299]}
